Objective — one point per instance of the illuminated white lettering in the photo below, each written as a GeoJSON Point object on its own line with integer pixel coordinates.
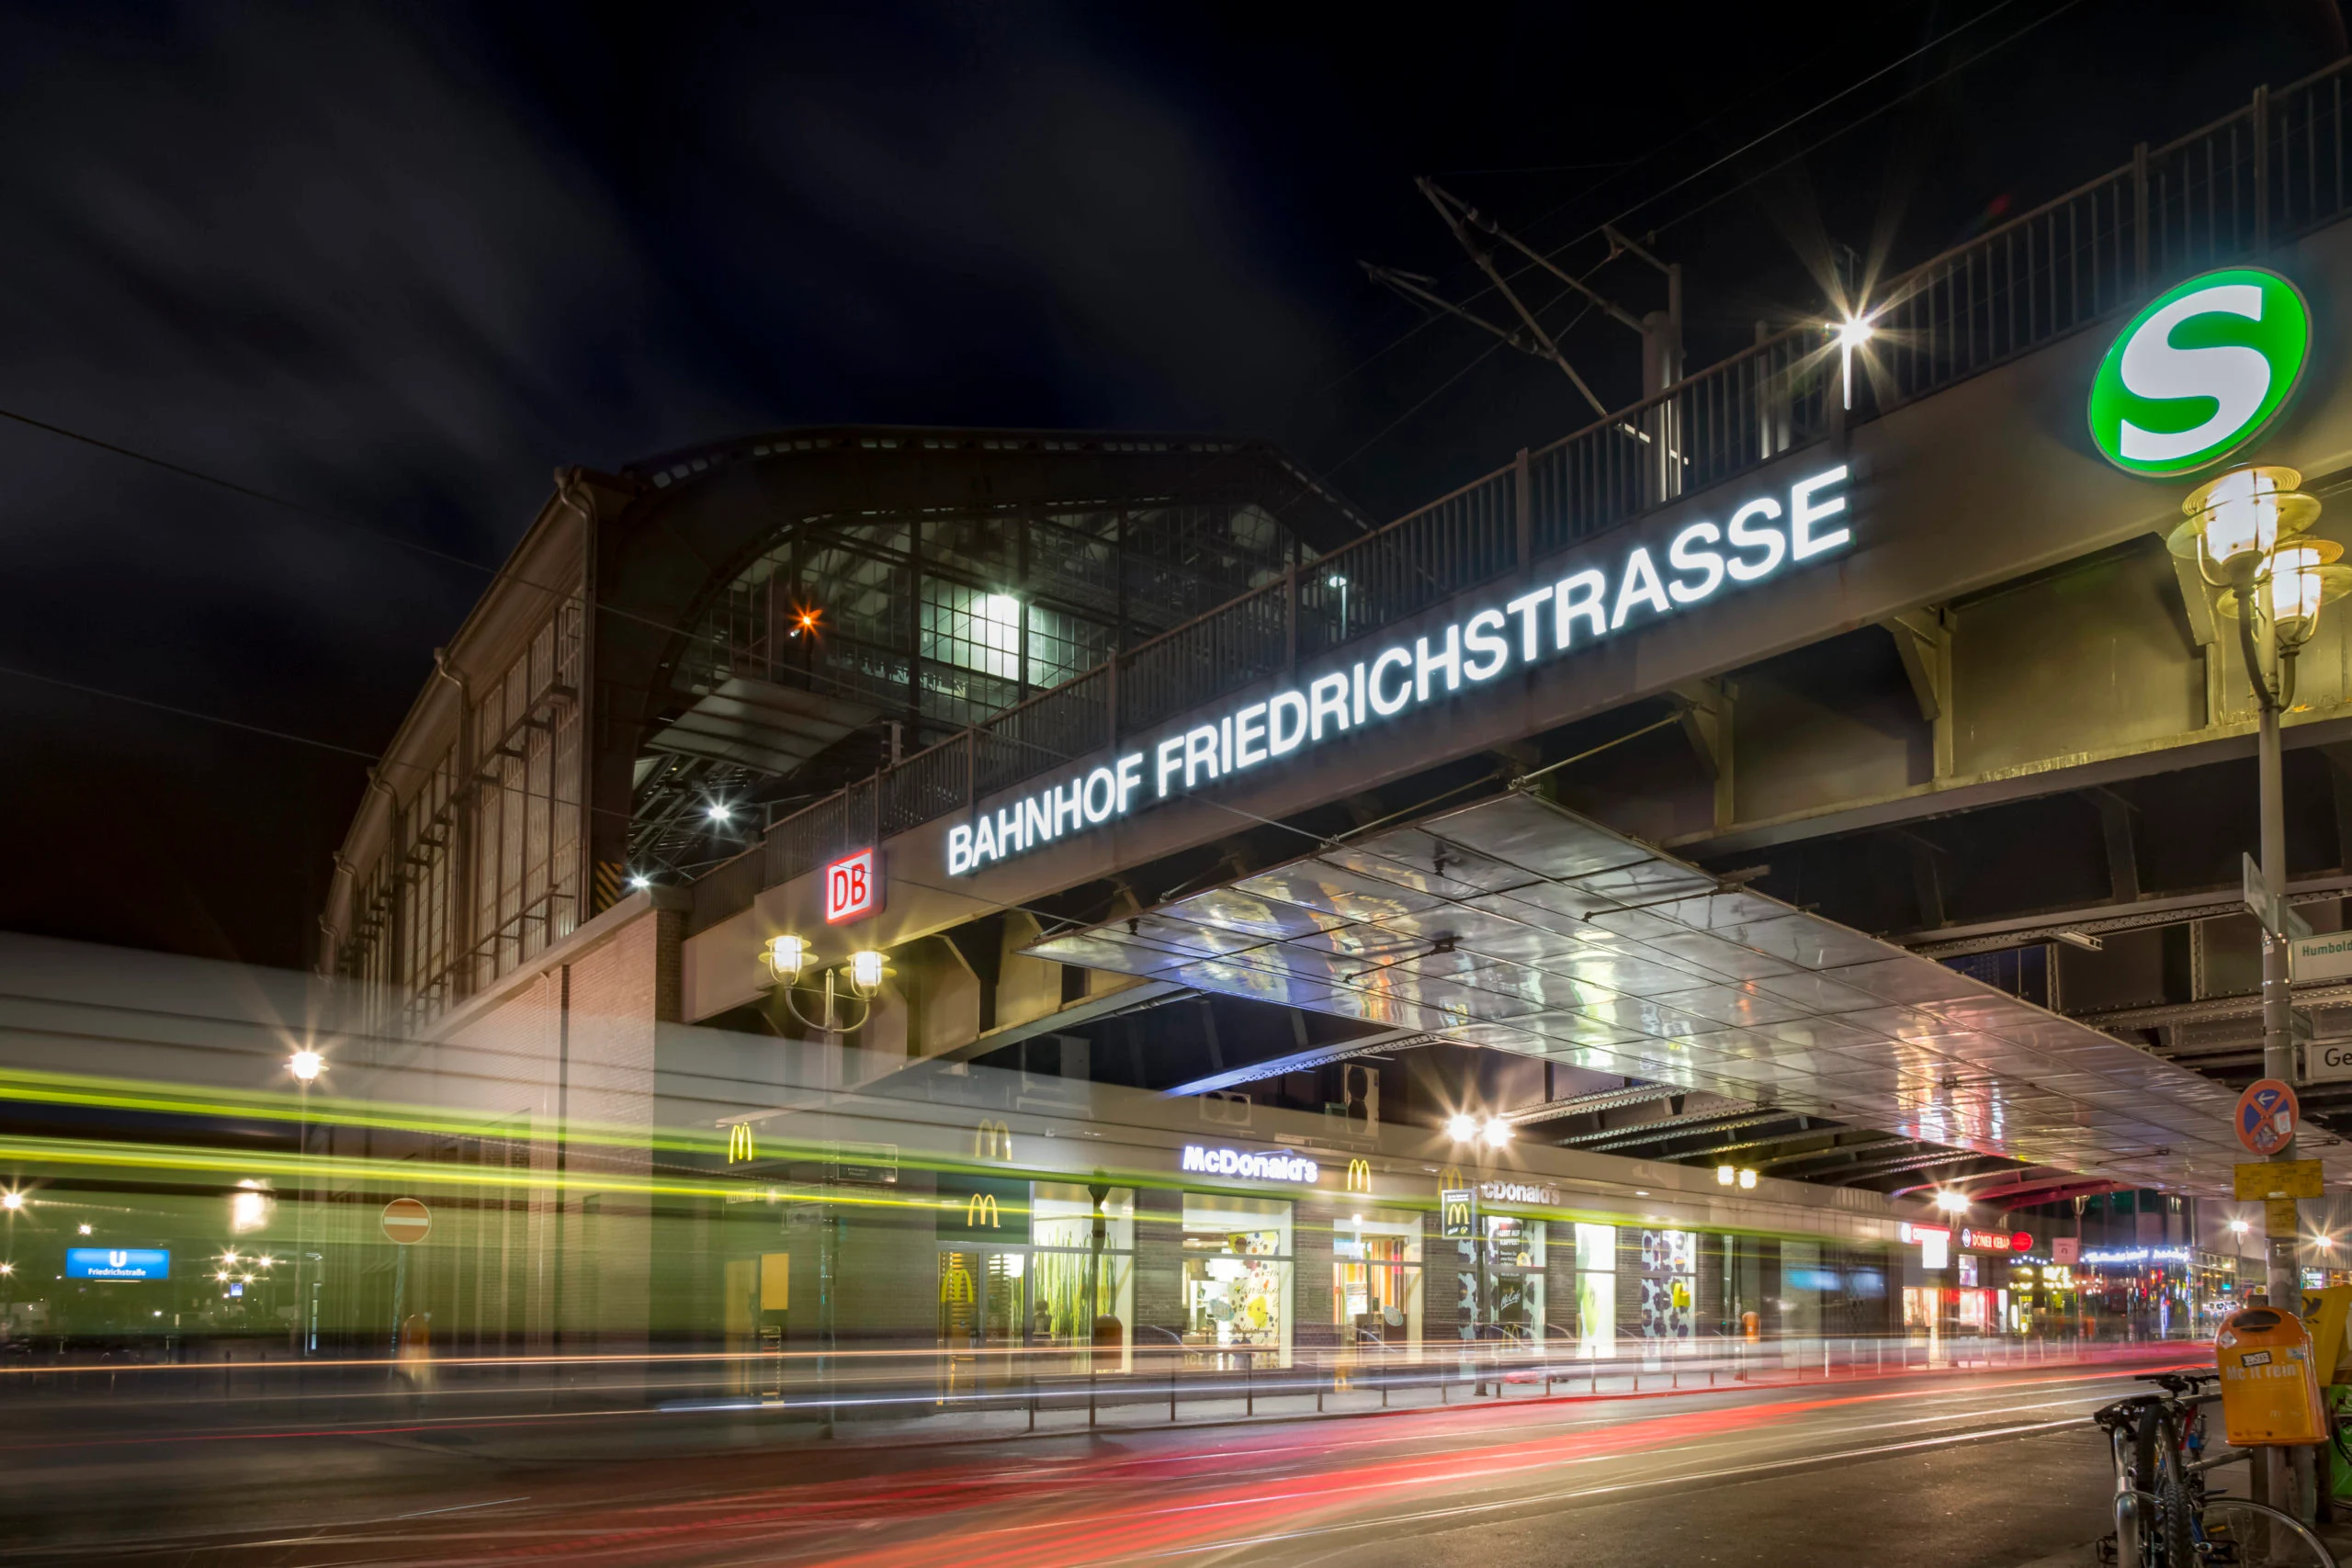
{"type": "Point", "coordinates": [1200, 751]}
{"type": "Point", "coordinates": [1450, 661]}
{"type": "Point", "coordinates": [1278, 742]}
{"type": "Point", "coordinates": [1248, 736]}
{"type": "Point", "coordinates": [1804, 514]}
{"type": "Point", "coordinates": [1489, 652]}
{"type": "Point", "coordinates": [1011, 837]}
{"type": "Point", "coordinates": [1577, 598]}
{"type": "Point", "coordinates": [1743, 537]}
{"type": "Point", "coordinates": [1172, 758]}
{"type": "Point", "coordinates": [1130, 778]}
{"type": "Point", "coordinates": [1327, 697]}
{"type": "Point", "coordinates": [1070, 813]}
{"type": "Point", "coordinates": [1037, 820]}
{"type": "Point", "coordinates": [1683, 556]}
{"type": "Point", "coordinates": [1109, 786]}
{"type": "Point", "coordinates": [1524, 607]}
{"type": "Point", "coordinates": [959, 849]}
{"type": "Point", "coordinates": [1359, 692]}
{"type": "Point", "coordinates": [1638, 586]}
{"type": "Point", "coordinates": [983, 842]}
{"type": "Point", "coordinates": [1401, 660]}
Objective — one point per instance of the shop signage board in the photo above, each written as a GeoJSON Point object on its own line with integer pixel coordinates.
{"type": "Point", "coordinates": [2276, 1178]}
{"type": "Point", "coordinates": [406, 1220]}
{"type": "Point", "coordinates": [1456, 1213]}
{"type": "Point", "coordinates": [985, 1209]}
{"type": "Point", "coordinates": [118, 1263]}
{"type": "Point", "coordinates": [1528, 624]}
{"type": "Point", "coordinates": [1995, 1241]}
{"type": "Point", "coordinates": [2127, 1255]}
{"type": "Point", "coordinates": [854, 887]}
{"type": "Point", "coordinates": [1294, 1169]}
{"type": "Point", "coordinates": [1934, 1242]}
{"type": "Point", "coordinates": [1519, 1193]}
{"type": "Point", "coordinates": [2266, 1116]}
{"type": "Point", "coordinates": [2066, 1249]}
{"type": "Point", "coordinates": [2203, 370]}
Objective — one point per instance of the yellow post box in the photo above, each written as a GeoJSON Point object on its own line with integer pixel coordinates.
{"type": "Point", "coordinates": [2269, 1385]}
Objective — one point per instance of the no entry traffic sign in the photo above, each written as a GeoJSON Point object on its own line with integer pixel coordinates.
{"type": "Point", "coordinates": [2266, 1117]}
{"type": "Point", "coordinates": [406, 1220]}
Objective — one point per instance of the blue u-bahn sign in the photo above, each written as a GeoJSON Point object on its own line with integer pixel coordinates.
{"type": "Point", "coordinates": [118, 1263]}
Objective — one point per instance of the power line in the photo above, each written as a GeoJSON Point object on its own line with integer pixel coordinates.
{"type": "Point", "coordinates": [186, 713]}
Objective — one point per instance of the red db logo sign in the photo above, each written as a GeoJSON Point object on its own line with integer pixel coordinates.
{"type": "Point", "coordinates": [854, 887]}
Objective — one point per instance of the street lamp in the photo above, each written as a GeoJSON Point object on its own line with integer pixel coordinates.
{"type": "Point", "coordinates": [1951, 1200]}
{"type": "Point", "coordinates": [2246, 530]}
{"type": "Point", "coordinates": [306, 1065]}
{"type": "Point", "coordinates": [1462, 1127]}
{"type": "Point", "coordinates": [789, 957]}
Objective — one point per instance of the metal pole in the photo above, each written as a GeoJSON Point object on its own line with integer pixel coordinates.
{"type": "Point", "coordinates": [2284, 1281]}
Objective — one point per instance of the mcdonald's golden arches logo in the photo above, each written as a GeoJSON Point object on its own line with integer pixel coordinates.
{"type": "Point", "coordinates": [1450, 1177]}
{"type": "Point", "coordinates": [740, 1147]}
{"type": "Point", "coordinates": [1358, 1175]}
{"type": "Point", "coordinates": [992, 1140]}
{"type": "Point", "coordinates": [980, 1212]}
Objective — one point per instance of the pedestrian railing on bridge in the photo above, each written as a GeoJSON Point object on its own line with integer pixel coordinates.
{"type": "Point", "coordinates": [2272, 170]}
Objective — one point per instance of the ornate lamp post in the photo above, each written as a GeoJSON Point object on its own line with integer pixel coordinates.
{"type": "Point", "coordinates": [2246, 530]}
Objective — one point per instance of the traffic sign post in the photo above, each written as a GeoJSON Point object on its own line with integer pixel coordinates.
{"type": "Point", "coordinates": [2266, 1117]}
{"type": "Point", "coordinates": [405, 1222]}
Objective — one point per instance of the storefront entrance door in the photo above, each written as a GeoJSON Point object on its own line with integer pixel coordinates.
{"type": "Point", "coordinates": [983, 1314]}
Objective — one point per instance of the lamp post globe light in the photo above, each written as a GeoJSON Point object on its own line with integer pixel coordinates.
{"type": "Point", "coordinates": [2248, 531]}
{"type": "Point", "coordinates": [789, 957]}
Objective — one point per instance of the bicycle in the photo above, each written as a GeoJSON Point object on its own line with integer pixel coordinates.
{"type": "Point", "coordinates": [2166, 1515]}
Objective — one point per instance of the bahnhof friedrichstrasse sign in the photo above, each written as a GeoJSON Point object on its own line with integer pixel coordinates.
{"type": "Point", "coordinates": [1543, 622]}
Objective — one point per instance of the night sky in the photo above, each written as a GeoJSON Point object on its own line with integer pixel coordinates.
{"type": "Point", "coordinates": [397, 263]}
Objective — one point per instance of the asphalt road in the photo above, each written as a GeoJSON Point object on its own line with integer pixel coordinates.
{"type": "Point", "coordinates": [1954, 1471]}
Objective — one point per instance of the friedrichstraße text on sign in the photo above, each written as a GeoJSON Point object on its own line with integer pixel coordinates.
{"type": "Point", "coordinates": [1531, 627]}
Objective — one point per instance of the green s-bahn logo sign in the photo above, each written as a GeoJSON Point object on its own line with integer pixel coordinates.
{"type": "Point", "coordinates": [2201, 372]}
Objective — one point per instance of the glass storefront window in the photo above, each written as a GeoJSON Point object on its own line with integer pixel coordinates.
{"type": "Point", "coordinates": [1376, 1279]}
{"type": "Point", "coordinates": [1237, 1274]}
{"type": "Point", "coordinates": [1515, 1269]}
{"type": "Point", "coordinates": [1596, 1290]}
{"type": "Point", "coordinates": [1669, 1283]}
{"type": "Point", "coordinates": [1061, 1232]}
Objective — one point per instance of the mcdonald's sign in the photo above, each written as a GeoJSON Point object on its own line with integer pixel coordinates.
{"type": "Point", "coordinates": [1449, 1179]}
{"type": "Point", "coordinates": [982, 1209]}
{"type": "Point", "coordinates": [1456, 1213]}
{"type": "Point", "coordinates": [740, 1147]}
{"type": "Point", "coordinates": [1358, 1175]}
{"type": "Point", "coordinates": [992, 1140]}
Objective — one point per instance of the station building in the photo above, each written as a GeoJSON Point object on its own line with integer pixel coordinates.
{"type": "Point", "coordinates": [1821, 787]}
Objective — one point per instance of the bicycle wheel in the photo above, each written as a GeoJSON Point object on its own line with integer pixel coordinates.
{"type": "Point", "coordinates": [2172, 1533]}
{"type": "Point", "coordinates": [2247, 1535]}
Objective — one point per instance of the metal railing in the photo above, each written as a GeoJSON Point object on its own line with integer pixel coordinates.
{"type": "Point", "coordinates": [2272, 170]}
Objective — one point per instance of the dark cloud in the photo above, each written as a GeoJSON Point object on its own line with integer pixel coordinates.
{"type": "Point", "coordinates": [398, 261]}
